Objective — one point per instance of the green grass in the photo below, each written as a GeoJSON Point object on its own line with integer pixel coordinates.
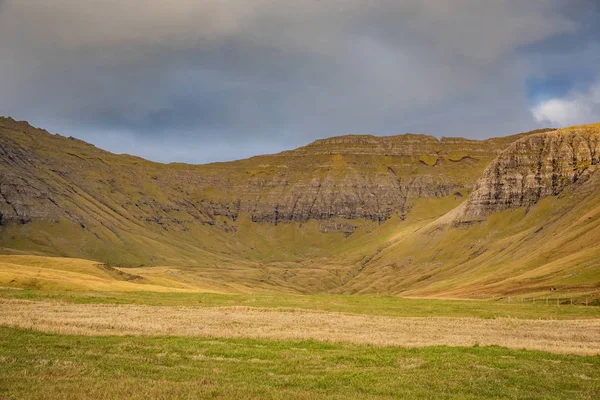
{"type": "Point", "coordinates": [45, 366]}
{"type": "Point", "coordinates": [370, 305]}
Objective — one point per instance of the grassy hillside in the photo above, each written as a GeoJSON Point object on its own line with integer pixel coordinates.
{"type": "Point", "coordinates": [547, 250]}
{"type": "Point", "coordinates": [64, 197]}
{"type": "Point", "coordinates": [351, 214]}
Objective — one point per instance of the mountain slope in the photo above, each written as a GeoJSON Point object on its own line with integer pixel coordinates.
{"type": "Point", "coordinates": [531, 225]}
{"type": "Point", "coordinates": [407, 214]}
{"type": "Point", "coordinates": [349, 177]}
{"type": "Point", "coordinates": [119, 209]}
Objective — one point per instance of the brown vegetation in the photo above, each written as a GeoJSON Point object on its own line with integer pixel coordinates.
{"type": "Point", "coordinates": [571, 336]}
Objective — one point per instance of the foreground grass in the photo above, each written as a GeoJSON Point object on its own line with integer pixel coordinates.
{"type": "Point", "coordinates": [370, 305]}
{"type": "Point", "coordinates": [559, 336]}
{"type": "Point", "coordinates": [39, 366]}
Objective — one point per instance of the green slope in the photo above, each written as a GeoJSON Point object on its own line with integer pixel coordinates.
{"type": "Point", "coordinates": [65, 197]}
{"type": "Point", "coordinates": [351, 214]}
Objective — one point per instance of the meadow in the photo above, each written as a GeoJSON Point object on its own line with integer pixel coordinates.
{"type": "Point", "coordinates": [94, 345]}
{"type": "Point", "coordinates": [49, 366]}
{"type": "Point", "coordinates": [76, 329]}
{"type": "Point", "coordinates": [380, 305]}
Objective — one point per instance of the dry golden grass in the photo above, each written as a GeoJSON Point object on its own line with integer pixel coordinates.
{"type": "Point", "coordinates": [59, 273]}
{"type": "Point", "coordinates": [570, 336]}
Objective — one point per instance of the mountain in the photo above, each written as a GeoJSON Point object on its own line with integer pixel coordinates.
{"type": "Point", "coordinates": [531, 225]}
{"type": "Point", "coordinates": [408, 214]}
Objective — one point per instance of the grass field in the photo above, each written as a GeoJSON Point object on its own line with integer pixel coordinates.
{"type": "Point", "coordinates": [155, 339]}
{"type": "Point", "coordinates": [47, 366]}
{"type": "Point", "coordinates": [370, 305]}
{"type": "Point", "coordinates": [566, 336]}
{"type": "Point", "coordinates": [108, 345]}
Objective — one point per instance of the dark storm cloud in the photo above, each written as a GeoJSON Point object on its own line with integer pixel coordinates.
{"type": "Point", "coordinates": [222, 79]}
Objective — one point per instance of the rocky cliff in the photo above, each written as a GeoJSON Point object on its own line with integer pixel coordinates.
{"type": "Point", "coordinates": [532, 168]}
{"type": "Point", "coordinates": [349, 177]}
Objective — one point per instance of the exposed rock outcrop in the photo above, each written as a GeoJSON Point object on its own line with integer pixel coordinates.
{"type": "Point", "coordinates": [45, 176]}
{"type": "Point", "coordinates": [534, 167]}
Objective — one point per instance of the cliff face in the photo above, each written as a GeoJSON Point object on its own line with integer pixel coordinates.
{"type": "Point", "coordinates": [23, 196]}
{"type": "Point", "coordinates": [534, 167]}
{"type": "Point", "coordinates": [44, 176]}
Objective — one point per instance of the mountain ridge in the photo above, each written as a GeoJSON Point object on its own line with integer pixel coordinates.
{"type": "Point", "coordinates": [8, 121]}
{"type": "Point", "coordinates": [348, 184]}
{"type": "Point", "coordinates": [353, 217]}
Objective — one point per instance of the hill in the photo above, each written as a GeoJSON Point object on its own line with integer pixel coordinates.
{"type": "Point", "coordinates": [408, 214]}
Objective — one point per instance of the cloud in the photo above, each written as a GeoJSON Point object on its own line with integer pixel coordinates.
{"type": "Point", "coordinates": [298, 23]}
{"type": "Point", "coordinates": [574, 109]}
{"type": "Point", "coordinates": [230, 77]}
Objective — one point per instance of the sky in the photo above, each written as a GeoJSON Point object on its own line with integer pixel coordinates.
{"type": "Point", "coordinates": [217, 80]}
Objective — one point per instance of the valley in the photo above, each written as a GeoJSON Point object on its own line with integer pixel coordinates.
{"type": "Point", "coordinates": [281, 200]}
{"type": "Point", "coordinates": [323, 272]}
{"type": "Point", "coordinates": [407, 215]}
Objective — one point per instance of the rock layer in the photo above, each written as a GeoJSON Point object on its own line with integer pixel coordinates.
{"type": "Point", "coordinates": [44, 176]}
{"type": "Point", "coordinates": [534, 167]}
